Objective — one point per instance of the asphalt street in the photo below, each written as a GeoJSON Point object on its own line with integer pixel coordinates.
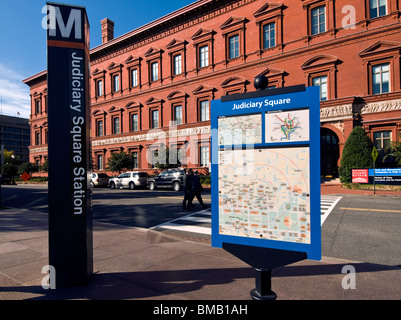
{"type": "Point", "coordinates": [364, 229]}
{"type": "Point", "coordinates": [135, 208]}
{"type": "Point", "coordinates": [359, 228]}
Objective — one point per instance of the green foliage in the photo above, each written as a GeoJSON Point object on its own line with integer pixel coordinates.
{"type": "Point", "coordinates": [45, 166]}
{"type": "Point", "coordinates": [119, 162]}
{"type": "Point", "coordinates": [205, 179]}
{"type": "Point", "coordinates": [11, 163]}
{"type": "Point", "coordinates": [356, 154]}
{"type": "Point", "coordinates": [27, 167]}
{"type": "Point", "coordinates": [393, 154]}
{"type": "Point", "coordinates": [10, 158]}
{"type": "Point", "coordinates": [164, 161]}
{"type": "Point", "coordinates": [9, 169]}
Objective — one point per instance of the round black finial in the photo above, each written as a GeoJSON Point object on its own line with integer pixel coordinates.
{"type": "Point", "coordinates": [260, 83]}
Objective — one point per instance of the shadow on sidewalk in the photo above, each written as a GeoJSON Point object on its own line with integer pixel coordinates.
{"type": "Point", "coordinates": [155, 284]}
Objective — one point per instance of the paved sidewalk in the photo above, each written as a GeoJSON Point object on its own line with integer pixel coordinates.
{"type": "Point", "coordinates": [335, 188]}
{"type": "Point", "coordinates": [133, 263]}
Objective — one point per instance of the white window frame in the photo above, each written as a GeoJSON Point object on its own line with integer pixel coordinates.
{"type": "Point", "coordinates": [204, 56]}
{"type": "Point", "coordinates": [381, 74]}
{"type": "Point", "coordinates": [318, 15]}
{"type": "Point", "coordinates": [322, 82]}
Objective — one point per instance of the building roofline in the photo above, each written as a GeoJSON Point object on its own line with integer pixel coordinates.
{"type": "Point", "coordinates": [148, 26]}
{"type": "Point", "coordinates": [152, 24]}
{"type": "Point", "coordinates": [35, 77]}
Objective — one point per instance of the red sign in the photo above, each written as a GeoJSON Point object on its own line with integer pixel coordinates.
{"type": "Point", "coordinates": [360, 175]}
{"type": "Point", "coordinates": [25, 176]}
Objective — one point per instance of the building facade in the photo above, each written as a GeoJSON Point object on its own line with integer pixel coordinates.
{"type": "Point", "coordinates": [15, 136]}
{"type": "Point", "coordinates": [153, 86]}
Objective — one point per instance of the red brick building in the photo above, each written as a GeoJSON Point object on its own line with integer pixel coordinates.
{"type": "Point", "coordinates": [153, 86]}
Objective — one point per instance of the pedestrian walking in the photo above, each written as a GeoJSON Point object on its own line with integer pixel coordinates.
{"type": "Point", "coordinates": [195, 190]}
{"type": "Point", "coordinates": [187, 187]}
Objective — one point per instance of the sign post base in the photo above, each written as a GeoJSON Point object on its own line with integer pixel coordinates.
{"type": "Point", "coordinates": [263, 286]}
{"type": "Point", "coordinates": [263, 260]}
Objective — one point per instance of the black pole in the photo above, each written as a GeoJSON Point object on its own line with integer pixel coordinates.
{"type": "Point", "coordinates": [70, 212]}
{"type": "Point", "coordinates": [263, 285]}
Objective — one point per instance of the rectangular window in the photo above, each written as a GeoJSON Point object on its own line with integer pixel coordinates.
{"type": "Point", "coordinates": [99, 125]}
{"type": "Point", "coordinates": [322, 82]}
{"type": "Point", "coordinates": [203, 56]}
{"type": "Point", "coordinates": [181, 156]}
{"type": "Point", "coordinates": [233, 43]}
{"type": "Point", "coordinates": [116, 125]}
{"type": "Point", "coordinates": [99, 88]}
{"type": "Point", "coordinates": [318, 20]}
{"type": "Point", "coordinates": [153, 153]}
{"type": "Point", "coordinates": [134, 77]}
{"type": "Point", "coordinates": [269, 35]}
{"type": "Point", "coordinates": [37, 106]}
{"type": "Point", "coordinates": [116, 83]}
{"type": "Point", "coordinates": [381, 78]}
{"type": "Point", "coordinates": [155, 71]}
{"type": "Point", "coordinates": [100, 162]}
{"type": "Point", "coordinates": [134, 122]}
{"type": "Point", "coordinates": [155, 119]}
{"type": "Point", "coordinates": [204, 110]}
{"type": "Point", "coordinates": [178, 114]}
{"type": "Point", "coordinates": [37, 138]}
{"type": "Point", "coordinates": [377, 8]}
{"type": "Point", "coordinates": [382, 139]}
{"type": "Point", "coordinates": [135, 160]}
{"type": "Point", "coordinates": [177, 64]}
{"type": "Point", "coordinates": [204, 160]}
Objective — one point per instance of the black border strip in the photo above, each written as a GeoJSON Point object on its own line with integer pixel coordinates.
{"type": "Point", "coordinates": [263, 93]}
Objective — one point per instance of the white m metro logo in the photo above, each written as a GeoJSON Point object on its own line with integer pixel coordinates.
{"type": "Point", "coordinates": [53, 16]}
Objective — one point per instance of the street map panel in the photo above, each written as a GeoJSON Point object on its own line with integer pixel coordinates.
{"type": "Point", "coordinates": [264, 193]}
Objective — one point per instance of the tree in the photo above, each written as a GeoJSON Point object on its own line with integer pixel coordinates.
{"type": "Point", "coordinates": [393, 154]}
{"type": "Point", "coordinates": [27, 167]}
{"type": "Point", "coordinates": [163, 160]}
{"type": "Point", "coordinates": [45, 166]}
{"type": "Point", "coordinates": [356, 154]}
{"type": "Point", "coordinates": [10, 158]}
{"type": "Point", "coordinates": [119, 162]}
{"type": "Point", "coordinates": [11, 163]}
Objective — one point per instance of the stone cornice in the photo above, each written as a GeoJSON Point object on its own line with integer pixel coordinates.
{"type": "Point", "coordinates": [382, 106]}
{"type": "Point", "coordinates": [37, 149]}
{"type": "Point", "coordinates": [347, 111]}
{"type": "Point", "coordinates": [152, 135]}
{"type": "Point", "coordinates": [336, 113]}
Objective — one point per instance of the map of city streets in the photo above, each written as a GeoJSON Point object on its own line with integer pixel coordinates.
{"type": "Point", "coordinates": [264, 193]}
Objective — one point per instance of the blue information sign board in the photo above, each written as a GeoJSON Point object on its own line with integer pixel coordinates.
{"type": "Point", "coordinates": [266, 171]}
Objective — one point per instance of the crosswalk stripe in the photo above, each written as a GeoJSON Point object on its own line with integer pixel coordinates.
{"type": "Point", "coordinates": [187, 228]}
{"type": "Point", "coordinates": [190, 223]}
{"type": "Point", "coordinates": [326, 212]}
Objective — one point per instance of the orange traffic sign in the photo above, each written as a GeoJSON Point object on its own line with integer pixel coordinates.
{"type": "Point", "coordinates": [25, 176]}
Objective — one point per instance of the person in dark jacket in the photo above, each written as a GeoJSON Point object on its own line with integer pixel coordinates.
{"type": "Point", "coordinates": [187, 188]}
{"type": "Point", "coordinates": [196, 189]}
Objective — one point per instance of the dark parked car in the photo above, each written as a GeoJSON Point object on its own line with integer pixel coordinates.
{"type": "Point", "coordinates": [6, 179]}
{"type": "Point", "coordinates": [99, 179]}
{"type": "Point", "coordinates": [167, 179]}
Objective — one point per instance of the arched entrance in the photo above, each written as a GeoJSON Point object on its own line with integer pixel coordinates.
{"type": "Point", "coordinates": [329, 153]}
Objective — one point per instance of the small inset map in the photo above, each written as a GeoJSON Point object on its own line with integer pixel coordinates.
{"type": "Point", "coordinates": [240, 130]}
{"type": "Point", "coordinates": [287, 126]}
